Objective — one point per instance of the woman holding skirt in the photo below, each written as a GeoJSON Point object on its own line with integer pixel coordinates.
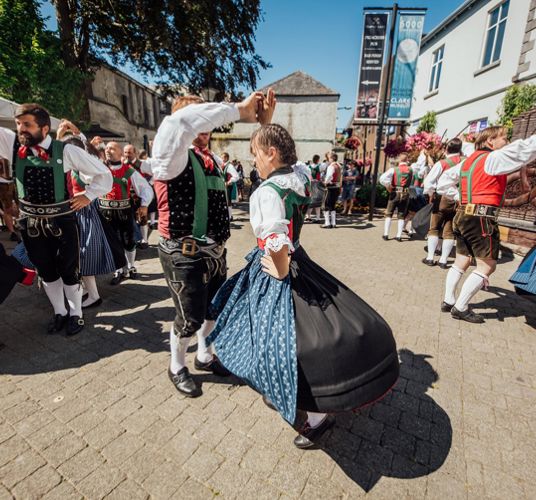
{"type": "Point", "coordinates": [287, 327]}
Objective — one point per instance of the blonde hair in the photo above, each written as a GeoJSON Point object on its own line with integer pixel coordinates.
{"type": "Point", "coordinates": [276, 136]}
{"type": "Point", "coordinates": [488, 133]}
{"type": "Point", "coordinates": [185, 100]}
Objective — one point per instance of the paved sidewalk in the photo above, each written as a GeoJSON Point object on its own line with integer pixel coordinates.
{"type": "Point", "coordinates": [95, 416]}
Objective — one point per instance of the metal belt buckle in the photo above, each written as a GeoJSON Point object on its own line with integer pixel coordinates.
{"type": "Point", "coordinates": [482, 210]}
{"type": "Point", "coordinates": [189, 248]}
{"type": "Point", "coordinates": [470, 209]}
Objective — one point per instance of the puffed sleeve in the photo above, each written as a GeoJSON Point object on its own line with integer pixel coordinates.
{"type": "Point", "coordinates": [268, 220]}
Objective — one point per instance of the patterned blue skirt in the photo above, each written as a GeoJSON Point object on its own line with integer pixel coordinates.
{"type": "Point", "coordinates": [307, 342]}
{"type": "Point", "coordinates": [100, 250]}
{"type": "Point", "coordinates": [525, 276]}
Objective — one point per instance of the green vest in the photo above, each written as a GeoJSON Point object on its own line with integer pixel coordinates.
{"type": "Point", "coordinates": [23, 166]}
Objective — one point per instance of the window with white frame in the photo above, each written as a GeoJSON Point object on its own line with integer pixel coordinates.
{"type": "Point", "coordinates": [437, 64]}
{"type": "Point", "coordinates": [495, 33]}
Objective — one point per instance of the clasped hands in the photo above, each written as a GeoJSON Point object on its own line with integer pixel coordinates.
{"type": "Point", "coordinates": [258, 107]}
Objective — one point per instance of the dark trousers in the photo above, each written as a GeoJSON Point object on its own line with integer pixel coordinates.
{"type": "Point", "coordinates": [122, 222]}
{"type": "Point", "coordinates": [193, 283]}
{"type": "Point", "coordinates": [10, 273]}
{"type": "Point", "coordinates": [55, 249]}
{"type": "Point", "coordinates": [331, 195]}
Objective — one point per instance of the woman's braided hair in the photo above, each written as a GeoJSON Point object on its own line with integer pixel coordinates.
{"type": "Point", "coordinates": [276, 136]}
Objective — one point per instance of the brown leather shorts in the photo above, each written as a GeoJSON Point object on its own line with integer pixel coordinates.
{"type": "Point", "coordinates": [443, 213]}
{"type": "Point", "coordinates": [476, 236]}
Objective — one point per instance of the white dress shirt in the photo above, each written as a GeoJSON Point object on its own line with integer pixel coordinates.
{"type": "Point", "coordinates": [140, 185]}
{"type": "Point", "coordinates": [499, 162]}
{"type": "Point", "coordinates": [430, 181]}
{"type": "Point", "coordinates": [74, 158]}
{"type": "Point", "coordinates": [232, 172]}
{"type": "Point", "coordinates": [176, 133]}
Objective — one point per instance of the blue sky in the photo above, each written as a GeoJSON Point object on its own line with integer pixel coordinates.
{"type": "Point", "coordinates": [321, 38]}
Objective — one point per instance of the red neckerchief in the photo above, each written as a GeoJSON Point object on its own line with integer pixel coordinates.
{"type": "Point", "coordinates": [207, 157]}
{"type": "Point", "coordinates": [41, 152]}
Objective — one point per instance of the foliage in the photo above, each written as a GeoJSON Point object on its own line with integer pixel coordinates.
{"type": "Point", "coordinates": [31, 68]}
{"type": "Point", "coordinates": [363, 195]}
{"type": "Point", "coordinates": [516, 100]}
{"type": "Point", "coordinates": [428, 122]}
{"type": "Point", "coordinates": [196, 43]}
{"type": "Point", "coordinates": [395, 147]}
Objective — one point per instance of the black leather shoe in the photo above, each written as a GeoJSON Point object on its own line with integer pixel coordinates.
{"type": "Point", "coordinates": [97, 303]}
{"type": "Point", "coordinates": [443, 266]}
{"type": "Point", "coordinates": [326, 226]}
{"type": "Point", "coordinates": [428, 262]}
{"type": "Point", "coordinates": [399, 239]}
{"type": "Point", "coordinates": [118, 277]}
{"type": "Point", "coordinates": [446, 308]}
{"type": "Point", "coordinates": [132, 273]}
{"type": "Point", "coordinates": [57, 323]}
{"type": "Point", "coordinates": [308, 436]}
{"type": "Point", "coordinates": [75, 325]}
{"type": "Point", "coordinates": [214, 366]}
{"type": "Point", "coordinates": [268, 403]}
{"type": "Point", "coordinates": [142, 245]}
{"type": "Point", "coordinates": [384, 237]}
{"type": "Point", "coordinates": [468, 316]}
{"type": "Point", "coordinates": [184, 383]}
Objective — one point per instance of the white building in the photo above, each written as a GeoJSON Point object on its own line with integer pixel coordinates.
{"type": "Point", "coordinates": [305, 107]}
{"type": "Point", "coordinates": [467, 63]}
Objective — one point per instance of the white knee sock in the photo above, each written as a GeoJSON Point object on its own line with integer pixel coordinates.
{"type": "Point", "coordinates": [326, 218]}
{"type": "Point", "coordinates": [91, 288]}
{"type": "Point", "coordinates": [230, 212]}
{"type": "Point", "coordinates": [333, 218]}
{"type": "Point", "coordinates": [318, 214]}
{"type": "Point", "coordinates": [131, 258]}
{"type": "Point", "coordinates": [401, 223]}
{"type": "Point", "coordinates": [152, 217]}
{"type": "Point", "coordinates": [432, 245]}
{"type": "Point", "coordinates": [204, 353]}
{"type": "Point", "coordinates": [144, 230]}
{"type": "Point", "coordinates": [448, 245]}
{"type": "Point", "coordinates": [54, 291]}
{"type": "Point", "coordinates": [74, 299]}
{"type": "Point", "coordinates": [453, 278]}
{"type": "Point", "coordinates": [387, 226]}
{"type": "Point", "coordinates": [474, 282]}
{"type": "Point", "coordinates": [315, 419]}
{"type": "Point", "coordinates": [178, 347]}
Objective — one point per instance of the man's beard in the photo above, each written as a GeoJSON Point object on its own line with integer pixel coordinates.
{"type": "Point", "coordinates": [29, 140]}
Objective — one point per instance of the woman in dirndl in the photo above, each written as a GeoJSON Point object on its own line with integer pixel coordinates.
{"type": "Point", "coordinates": [100, 250]}
{"type": "Point", "coordinates": [292, 331]}
{"type": "Point", "coordinates": [524, 278]}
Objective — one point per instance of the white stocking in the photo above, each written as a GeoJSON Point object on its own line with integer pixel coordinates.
{"type": "Point", "coordinates": [448, 245]}
{"type": "Point", "coordinates": [74, 299]}
{"type": "Point", "coordinates": [432, 245]}
{"type": "Point", "coordinates": [315, 419]}
{"type": "Point", "coordinates": [326, 218]}
{"type": "Point", "coordinates": [91, 288]}
{"type": "Point", "coordinates": [453, 278]}
{"type": "Point", "coordinates": [387, 226]}
{"type": "Point", "coordinates": [333, 218]}
{"type": "Point", "coordinates": [144, 230]}
{"type": "Point", "coordinates": [54, 291]}
{"type": "Point", "coordinates": [400, 228]}
{"type": "Point", "coordinates": [131, 258]}
{"type": "Point", "coordinates": [178, 347]}
{"type": "Point", "coordinates": [204, 353]}
{"type": "Point", "coordinates": [474, 282]}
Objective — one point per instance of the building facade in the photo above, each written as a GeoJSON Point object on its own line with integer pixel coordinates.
{"type": "Point", "coordinates": [123, 109]}
{"type": "Point", "coordinates": [305, 107]}
{"type": "Point", "coordinates": [469, 61]}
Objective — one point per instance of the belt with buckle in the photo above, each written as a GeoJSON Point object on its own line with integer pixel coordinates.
{"type": "Point", "coordinates": [401, 189]}
{"type": "Point", "coordinates": [480, 210]}
{"type": "Point", "coordinates": [190, 247]}
{"type": "Point", "coordinates": [114, 204]}
{"type": "Point", "coordinates": [45, 211]}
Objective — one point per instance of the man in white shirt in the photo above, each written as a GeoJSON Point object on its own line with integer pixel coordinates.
{"type": "Point", "coordinates": [194, 221]}
{"type": "Point", "coordinates": [479, 183]}
{"type": "Point", "coordinates": [231, 178]}
{"type": "Point", "coordinates": [444, 209]}
{"type": "Point", "coordinates": [333, 183]}
{"type": "Point", "coordinates": [49, 227]}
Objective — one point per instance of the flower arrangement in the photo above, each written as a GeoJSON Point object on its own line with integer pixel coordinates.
{"type": "Point", "coordinates": [352, 143]}
{"type": "Point", "coordinates": [423, 140]}
{"type": "Point", "coordinates": [395, 147]}
{"type": "Point", "coordinates": [470, 137]}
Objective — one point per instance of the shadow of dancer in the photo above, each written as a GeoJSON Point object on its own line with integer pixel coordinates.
{"type": "Point", "coordinates": [508, 304]}
{"type": "Point", "coordinates": [406, 435]}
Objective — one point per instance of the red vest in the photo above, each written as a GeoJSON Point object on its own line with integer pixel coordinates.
{"type": "Point", "coordinates": [449, 162]}
{"type": "Point", "coordinates": [402, 176]}
{"type": "Point", "coordinates": [121, 183]}
{"type": "Point", "coordinates": [476, 186]}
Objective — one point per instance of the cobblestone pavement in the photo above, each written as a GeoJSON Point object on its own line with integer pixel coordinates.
{"type": "Point", "coordinates": [95, 416]}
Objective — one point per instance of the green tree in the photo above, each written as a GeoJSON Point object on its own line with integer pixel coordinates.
{"type": "Point", "coordinates": [516, 100]}
{"type": "Point", "coordinates": [428, 122]}
{"type": "Point", "coordinates": [31, 66]}
{"type": "Point", "coordinates": [197, 43]}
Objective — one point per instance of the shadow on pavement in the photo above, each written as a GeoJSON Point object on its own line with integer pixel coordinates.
{"type": "Point", "coordinates": [406, 435]}
{"type": "Point", "coordinates": [508, 304]}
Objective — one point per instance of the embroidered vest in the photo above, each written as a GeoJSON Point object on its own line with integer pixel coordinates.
{"type": "Point", "coordinates": [122, 183]}
{"type": "Point", "coordinates": [447, 163]}
{"type": "Point", "coordinates": [194, 203]}
{"type": "Point", "coordinates": [403, 176]}
{"type": "Point", "coordinates": [476, 186]}
{"type": "Point", "coordinates": [41, 182]}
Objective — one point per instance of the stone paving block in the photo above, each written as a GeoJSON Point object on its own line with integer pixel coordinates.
{"type": "Point", "coordinates": [37, 484]}
{"type": "Point", "coordinates": [63, 449]}
{"type": "Point", "coordinates": [103, 433]}
{"type": "Point", "coordinates": [73, 409]}
{"type": "Point", "coordinates": [122, 448]}
{"type": "Point", "coordinates": [229, 479]}
{"type": "Point", "coordinates": [241, 420]}
{"type": "Point", "coordinates": [234, 445]}
{"type": "Point", "coordinates": [100, 482]}
{"type": "Point", "coordinates": [181, 447]}
{"type": "Point", "coordinates": [165, 481]}
{"type": "Point", "coordinates": [85, 422]}
{"type": "Point", "coordinates": [258, 488]}
{"type": "Point", "coordinates": [12, 399]}
{"type": "Point", "coordinates": [64, 491]}
{"type": "Point", "coordinates": [6, 431]}
{"type": "Point", "coordinates": [106, 399]}
{"type": "Point", "coordinates": [212, 432]}
{"type": "Point", "coordinates": [193, 490]}
{"type": "Point", "coordinates": [203, 463]}
{"type": "Point", "coordinates": [141, 464]}
{"type": "Point", "coordinates": [12, 448]}
{"type": "Point", "coordinates": [289, 477]}
{"type": "Point", "coordinates": [122, 409]}
{"type": "Point", "coordinates": [152, 398]}
{"type": "Point", "coordinates": [190, 419]}
{"type": "Point", "coordinates": [81, 465]}
{"type": "Point", "coordinates": [128, 489]}
{"type": "Point", "coordinates": [171, 408]}
{"type": "Point", "coordinates": [20, 467]}
{"type": "Point", "coordinates": [260, 460]}
{"type": "Point", "coordinates": [159, 433]}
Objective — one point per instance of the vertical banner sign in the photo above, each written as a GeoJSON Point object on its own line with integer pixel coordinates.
{"type": "Point", "coordinates": [407, 52]}
{"type": "Point", "coordinates": [373, 46]}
